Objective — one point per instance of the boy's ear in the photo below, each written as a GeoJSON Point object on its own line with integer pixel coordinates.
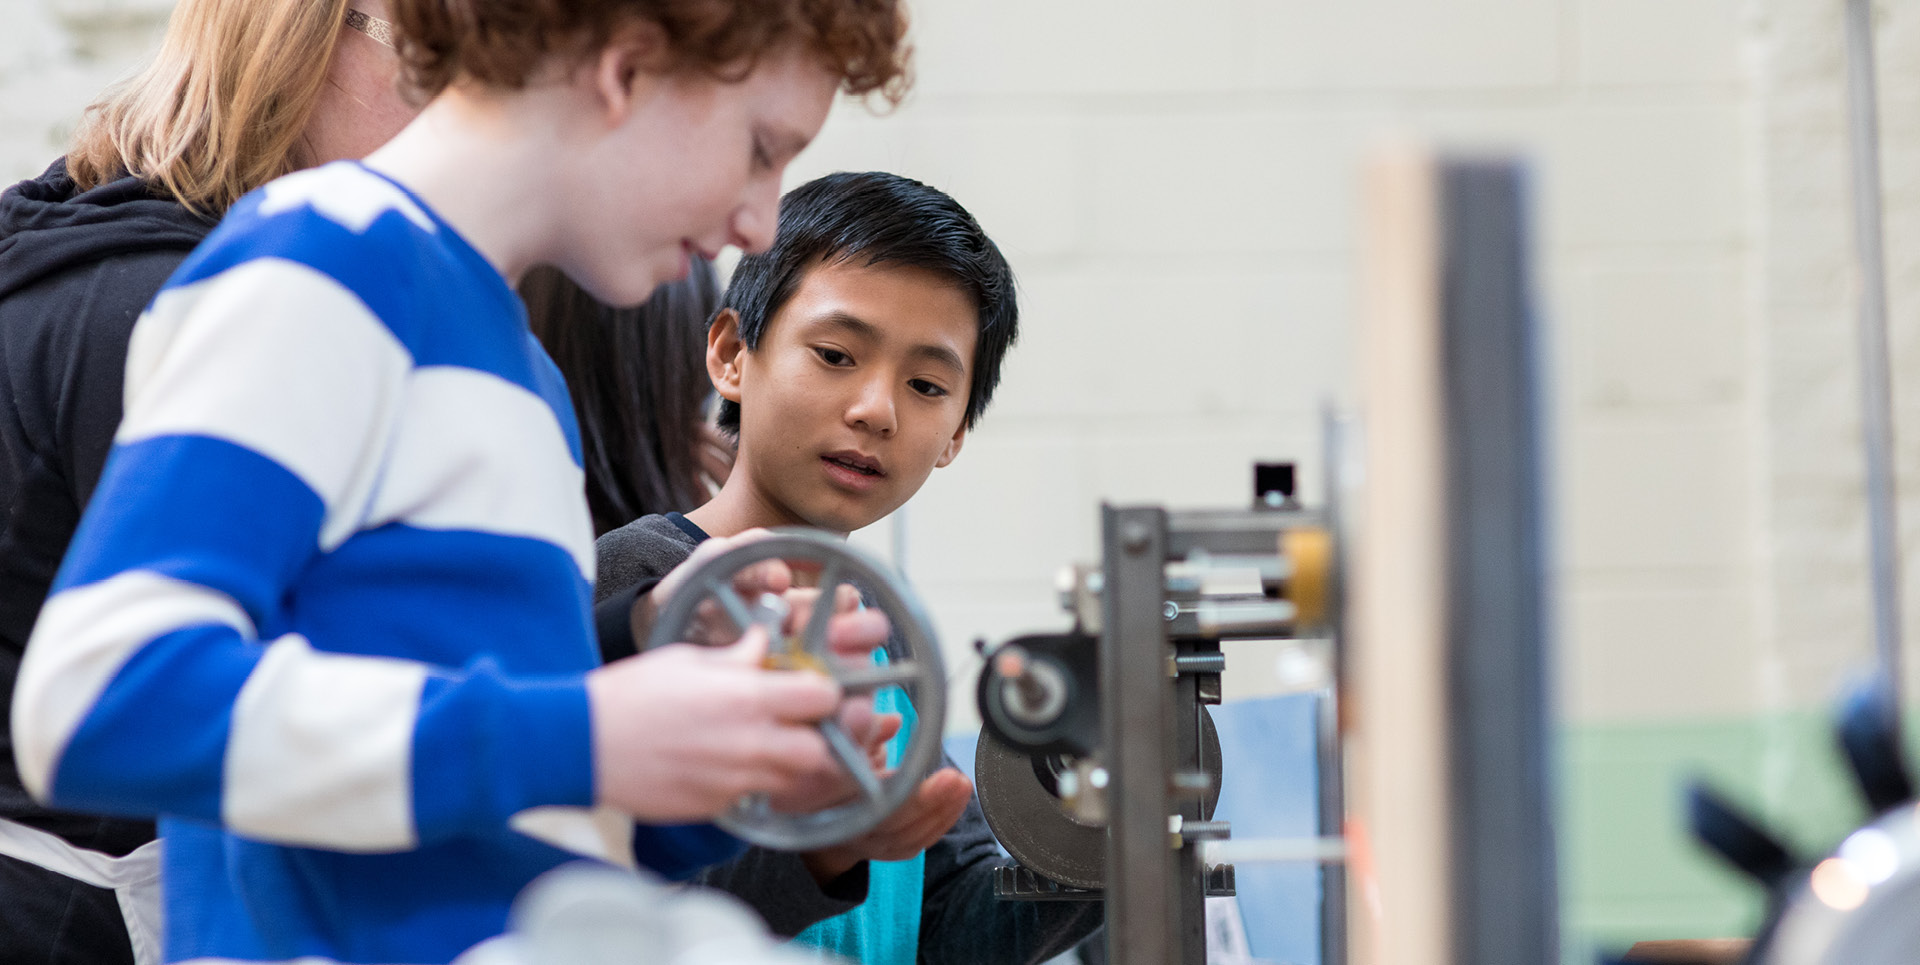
{"type": "Point", "coordinates": [953, 446]}
{"type": "Point", "coordinates": [627, 67]}
{"type": "Point", "coordinates": [724, 349]}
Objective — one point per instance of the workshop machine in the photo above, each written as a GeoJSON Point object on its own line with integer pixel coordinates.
{"type": "Point", "coordinates": [1098, 764]}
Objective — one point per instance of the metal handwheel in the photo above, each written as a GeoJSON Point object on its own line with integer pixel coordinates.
{"type": "Point", "coordinates": [913, 665]}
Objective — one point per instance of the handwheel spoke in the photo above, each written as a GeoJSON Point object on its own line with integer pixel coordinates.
{"type": "Point", "coordinates": [735, 607]}
{"type": "Point", "coordinates": [860, 680]}
{"type": "Point", "coordinates": [823, 607]}
{"type": "Point", "coordinates": [852, 758]}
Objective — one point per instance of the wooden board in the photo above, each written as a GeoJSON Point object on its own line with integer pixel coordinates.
{"type": "Point", "coordinates": [1398, 893]}
{"type": "Point", "coordinates": [1448, 688]}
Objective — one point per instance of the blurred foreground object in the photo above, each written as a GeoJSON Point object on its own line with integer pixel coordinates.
{"type": "Point", "coordinates": [1861, 904]}
{"type": "Point", "coordinates": [588, 914]}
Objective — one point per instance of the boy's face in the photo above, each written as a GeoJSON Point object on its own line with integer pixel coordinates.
{"type": "Point", "coordinates": [857, 391]}
{"type": "Point", "coordinates": [686, 166]}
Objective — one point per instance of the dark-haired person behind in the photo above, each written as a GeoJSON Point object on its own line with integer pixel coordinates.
{"type": "Point", "coordinates": [851, 359]}
{"type": "Point", "coordinates": [638, 378]}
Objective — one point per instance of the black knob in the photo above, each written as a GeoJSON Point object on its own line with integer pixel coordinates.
{"type": "Point", "coordinates": [1718, 824]}
{"type": "Point", "coordinates": [1870, 739]}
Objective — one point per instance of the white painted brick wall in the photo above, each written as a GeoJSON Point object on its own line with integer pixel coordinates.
{"type": "Point", "coordinates": [1176, 184]}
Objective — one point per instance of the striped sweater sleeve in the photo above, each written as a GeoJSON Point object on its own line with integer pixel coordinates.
{"type": "Point", "coordinates": [260, 403]}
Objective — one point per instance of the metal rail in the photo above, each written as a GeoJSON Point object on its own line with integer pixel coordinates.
{"type": "Point", "coordinates": [1876, 395]}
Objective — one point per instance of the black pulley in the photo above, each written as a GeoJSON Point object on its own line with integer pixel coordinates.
{"type": "Point", "coordinates": [1039, 694]}
{"type": "Point", "coordinates": [1018, 795]}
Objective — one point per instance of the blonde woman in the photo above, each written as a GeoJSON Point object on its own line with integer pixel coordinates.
{"type": "Point", "coordinates": [241, 92]}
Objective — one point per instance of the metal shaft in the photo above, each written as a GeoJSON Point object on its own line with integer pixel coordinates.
{"type": "Point", "coordinates": [1876, 402]}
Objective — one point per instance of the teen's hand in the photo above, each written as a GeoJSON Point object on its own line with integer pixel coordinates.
{"type": "Point", "coordinates": [680, 733]}
{"type": "Point", "coordinates": [852, 634]}
{"type": "Point", "coordinates": [931, 812]}
{"type": "Point", "coordinates": [871, 732]}
{"type": "Point", "coordinates": [710, 625]}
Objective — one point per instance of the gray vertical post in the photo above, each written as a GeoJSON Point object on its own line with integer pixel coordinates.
{"type": "Point", "coordinates": [1876, 398]}
{"type": "Point", "coordinates": [1332, 824]}
{"type": "Point", "coordinates": [1505, 911]}
{"type": "Point", "coordinates": [1144, 893]}
{"type": "Point", "coordinates": [1331, 774]}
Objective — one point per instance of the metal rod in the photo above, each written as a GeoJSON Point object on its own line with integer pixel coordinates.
{"type": "Point", "coordinates": [1876, 402]}
{"type": "Point", "coordinates": [1275, 850]}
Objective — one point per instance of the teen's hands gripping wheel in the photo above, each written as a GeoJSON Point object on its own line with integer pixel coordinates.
{"type": "Point", "coordinates": [911, 678]}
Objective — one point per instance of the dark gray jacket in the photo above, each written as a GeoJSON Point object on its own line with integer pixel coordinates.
{"type": "Point", "coordinates": [76, 268]}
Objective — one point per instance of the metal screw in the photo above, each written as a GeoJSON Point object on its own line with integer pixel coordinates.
{"type": "Point", "coordinates": [1171, 611]}
{"type": "Point", "coordinates": [1207, 830]}
{"type": "Point", "coordinates": [1134, 537]}
{"type": "Point", "coordinates": [1201, 662]}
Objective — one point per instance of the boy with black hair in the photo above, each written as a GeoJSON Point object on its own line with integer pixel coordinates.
{"type": "Point", "coordinates": [851, 359]}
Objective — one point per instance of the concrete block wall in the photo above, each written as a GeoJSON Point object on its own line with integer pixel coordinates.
{"type": "Point", "coordinates": [1177, 187]}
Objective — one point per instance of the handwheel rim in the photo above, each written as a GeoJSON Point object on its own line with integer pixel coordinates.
{"type": "Point", "coordinates": [914, 666]}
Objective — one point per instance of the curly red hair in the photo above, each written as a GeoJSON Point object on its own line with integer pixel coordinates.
{"type": "Point", "coordinates": [500, 43]}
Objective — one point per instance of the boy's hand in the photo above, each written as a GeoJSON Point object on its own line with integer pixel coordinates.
{"type": "Point", "coordinates": [710, 626]}
{"type": "Point", "coordinates": [680, 733]}
{"type": "Point", "coordinates": [853, 633]}
{"type": "Point", "coordinates": [931, 812]}
{"type": "Point", "coordinates": [773, 748]}
{"type": "Point", "coordinates": [871, 732]}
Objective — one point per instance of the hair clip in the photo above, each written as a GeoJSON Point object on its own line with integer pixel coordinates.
{"type": "Point", "coordinates": [380, 30]}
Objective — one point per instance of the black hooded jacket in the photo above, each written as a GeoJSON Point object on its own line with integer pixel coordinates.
{"type": "Point", "coordinates": [76, 269]}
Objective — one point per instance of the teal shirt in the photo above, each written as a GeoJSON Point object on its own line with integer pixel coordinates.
{"type": "Point", "coordinates": [885, 929]}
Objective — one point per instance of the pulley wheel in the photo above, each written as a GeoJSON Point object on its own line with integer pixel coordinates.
{"type": "Point", "coordinates": [1033, 824]}
{"type": "Point", "coordinates": [913, 665]}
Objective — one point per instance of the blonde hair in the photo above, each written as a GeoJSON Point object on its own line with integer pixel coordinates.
{"type": "Point", "coordinates": [221, 109]}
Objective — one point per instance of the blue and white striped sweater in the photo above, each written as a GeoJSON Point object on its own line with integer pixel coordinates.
{"type": "Point", "coordinates": [332, 594]}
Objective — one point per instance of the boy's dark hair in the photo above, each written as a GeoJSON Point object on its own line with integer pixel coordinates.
{"type": "Point", "coordinates": [879, 218]}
